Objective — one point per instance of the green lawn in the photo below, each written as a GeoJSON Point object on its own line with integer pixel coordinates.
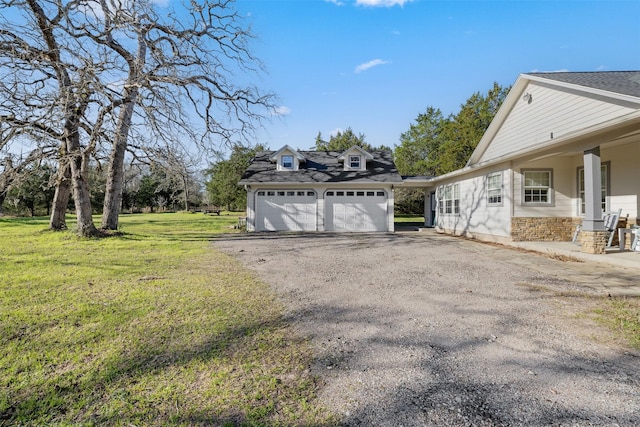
{"type": "Point", "coordinates": [150, 327]}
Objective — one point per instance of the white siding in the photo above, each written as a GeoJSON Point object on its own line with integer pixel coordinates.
{"type": "Point", "coordinates": [564, 189]}
{"type": "Point", "coordinates": [251, 212]}
{"type": "Point", "coordinates": [476, 216]}
{"type": "Point", "coordinates": [625, 178]}
{"type": "Point", "coordinates": [550, 111]}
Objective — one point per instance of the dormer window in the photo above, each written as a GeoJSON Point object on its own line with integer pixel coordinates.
{"type": "Point", "coordinates": [287, 159]}
{"type": "Point", "coordinates": [287, 162]}
{"type": "Point", "coordinates": [355, 159]}
{"type": "Point", "coordinates": [354, 162]}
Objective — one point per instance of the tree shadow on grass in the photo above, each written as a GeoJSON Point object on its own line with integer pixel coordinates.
{"type": "Point", "coordinates": [117, 379]}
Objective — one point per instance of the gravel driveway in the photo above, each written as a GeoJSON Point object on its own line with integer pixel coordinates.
{"type": "Point", "coordinates": [415, 329]}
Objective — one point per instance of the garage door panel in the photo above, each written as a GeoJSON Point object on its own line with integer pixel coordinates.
{"type": "Point", "coordinates": [348, 210]}
{"type": "Point", "coordinates": [293, 211]}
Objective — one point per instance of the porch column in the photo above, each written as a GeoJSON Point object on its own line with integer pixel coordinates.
{"type": "Point", "coordinates": [593, 236]}
{"type": "Point", "coordinates": [592, 191]}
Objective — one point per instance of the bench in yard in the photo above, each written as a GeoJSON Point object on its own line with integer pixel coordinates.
{"type": "Point", "coordinates": [211, 210]}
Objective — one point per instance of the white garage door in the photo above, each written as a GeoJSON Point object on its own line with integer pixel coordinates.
{"type": "Point", "coordinates": [286, 210]}
{"type": "Point", "coordinates": [356, 210]}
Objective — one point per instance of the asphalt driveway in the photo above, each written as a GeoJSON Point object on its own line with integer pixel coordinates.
{"type": "Point", "coordinates": [421, 329]}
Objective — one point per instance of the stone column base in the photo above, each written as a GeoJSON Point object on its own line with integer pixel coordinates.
{"type": "Point", "coordinates": [593, 242]}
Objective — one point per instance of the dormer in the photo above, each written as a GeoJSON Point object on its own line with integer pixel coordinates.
{"type": "Point", "coordinates": [287, 159]}
{"type": "Point", "coordinates": [355, 159]}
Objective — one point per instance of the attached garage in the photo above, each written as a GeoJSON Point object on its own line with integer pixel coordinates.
{"type": "Point", "coordinates": [306, 191]}
{"type": "Point", "coordinates": [286, 210]}
{"type": "Point", "coordinates": [356, 210]}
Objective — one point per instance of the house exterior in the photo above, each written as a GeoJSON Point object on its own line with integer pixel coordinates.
{"type": "Point", "coordinates": [291, 190]}
{"type": "Point", "coordinates": [563, 148]}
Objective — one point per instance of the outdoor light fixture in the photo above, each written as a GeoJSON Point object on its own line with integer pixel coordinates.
{"type": "Point", "coordinates": [527, 98]}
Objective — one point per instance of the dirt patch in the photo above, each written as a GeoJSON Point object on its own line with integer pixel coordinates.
{"type": "Point", "coordinates": [421, 329]}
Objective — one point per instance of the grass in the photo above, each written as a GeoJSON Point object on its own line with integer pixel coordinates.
{"type": "Point", "coordinates": [619, 314]}
{"type": "Point", "coordinates": [409, 220]}
{"type": "Point", "coordinates": [149, 327]}
{"type": "Point", "coordinates": [622, 315]}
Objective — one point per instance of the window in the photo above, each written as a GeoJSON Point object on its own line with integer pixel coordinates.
{"type": "Point", "coordinates": [339, 193]}
{"type": "Point", "coordinates": [494, 188]}
{"type": "Point", "coordinates": [537, 187]}
{"type": "Point", "coordinates": [449, 199]}
{"type": "Point", "coordinates": [371, 193]}
{"type": "Point", "coordinates": [350, 193]}
{"type": "Point", "coordinates": [287, 162]}
{"type": "Point", "coordinates": [329, 193]}
{"type": "Point", "coordinates": [360, 193]}
{"type": "Point", "coordinates": [300, 193]}
{"type": "Point", "coordinates": [260, 193]}
{"type": "Point", "coordinates": [604, 188]}
{"type": "Point", "coordinates": [311, 193]}
{"type": "Point", "coordinates": [271, 193]}
{"type": "Point", "coordinates": [380, 194]}
{"type": "Point", "coordinates": [354, 162]}
{"type": "Point", "coordinates": [280, 193]}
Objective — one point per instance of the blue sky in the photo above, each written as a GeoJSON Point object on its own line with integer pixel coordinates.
{"type": "Point", "coordinates": [374, 65]}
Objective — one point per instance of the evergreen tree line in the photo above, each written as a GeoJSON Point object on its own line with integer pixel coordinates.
{"type": "Point", "coordinates": [433, 145]}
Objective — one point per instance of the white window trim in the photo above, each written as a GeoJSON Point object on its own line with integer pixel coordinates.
{"type": "Point", "coordinates": [353, 158]}
{"type": "Point", "coordinates": [605, 170]}
{"type": "Point", "coordinates": [449, 199]}
{"type": "Point", "coordinates": [282, 164]}
{"type": "Point", "coordinates": [491, 190]}
{"type": "Point", "coordinates": [550, 192]}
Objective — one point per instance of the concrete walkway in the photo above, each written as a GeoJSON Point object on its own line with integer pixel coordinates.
{"type": "Point", "coordinates": [616, 272]}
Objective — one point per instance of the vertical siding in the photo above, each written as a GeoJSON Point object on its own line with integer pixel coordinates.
{"type": "Point", "coordinates": [550, 111]}
{"type": "Point", "coordinates": [320, 206]}
{"type": "Point", "coordinates": [251, 212]}
{"type": "Point", "coordinates": [390, 209]}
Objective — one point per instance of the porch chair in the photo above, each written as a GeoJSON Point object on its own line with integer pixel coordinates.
{"type": "Point", "coordinates": [635, 243]}
{"type": "Point", "coordinates": [610, 220]}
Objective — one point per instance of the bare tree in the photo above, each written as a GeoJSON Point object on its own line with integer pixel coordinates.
{"type": "Point", "coordinates": [179, 167]}
{"type": "Point", "coordinates": [46, 85]}
{"type": "Point", "coordinates": [173, 64]}
{"type": "Point", "coordinates": [90, 71]}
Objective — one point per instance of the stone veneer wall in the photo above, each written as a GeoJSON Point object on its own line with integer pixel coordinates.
{"type": "Point", "coordinates": [593, 242]}
{"type": "Point", "coordinates": [552, 229]}
{"type": "Point", "coordinates": [546, 229]}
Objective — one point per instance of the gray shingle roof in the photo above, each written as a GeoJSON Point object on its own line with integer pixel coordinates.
{"type": "Point", "coordinates": [623, 82]}
{"type": "Point", "coordinates": [321, 167]}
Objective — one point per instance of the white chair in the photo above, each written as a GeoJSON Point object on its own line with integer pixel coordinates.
{"type": "Point", "coordinates": [611, 223]}
{"type": "Point", "coordinates": [635, 243]}
{"type": "Point", "coordinates": [610, 220]}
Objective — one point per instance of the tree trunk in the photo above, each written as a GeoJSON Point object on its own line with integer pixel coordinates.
{"type": "Point", "coordinates": [82, 198]}
{"type": "Point", "coordinates": [186, 193]}
{"type": "Point", "coordinates": [3, 195]}
{"type": "Point", "coordinates": [58, 220]}
{"type": "Point", "coordinates": [115, 174]}
{"type": "Point", "coordinates": [79, 181]}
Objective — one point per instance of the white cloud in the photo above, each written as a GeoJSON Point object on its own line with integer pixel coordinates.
{"type": "Point", "coordinates": [336, 2]}
{"type": "Point", "coordinates": [364, 67]}
{"type": "Point", "coordinates": [561, 70]}
{"type": "Point", "coordinates": [281, 111]}
{"type": "Point", "coordinates": [382, 3]}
